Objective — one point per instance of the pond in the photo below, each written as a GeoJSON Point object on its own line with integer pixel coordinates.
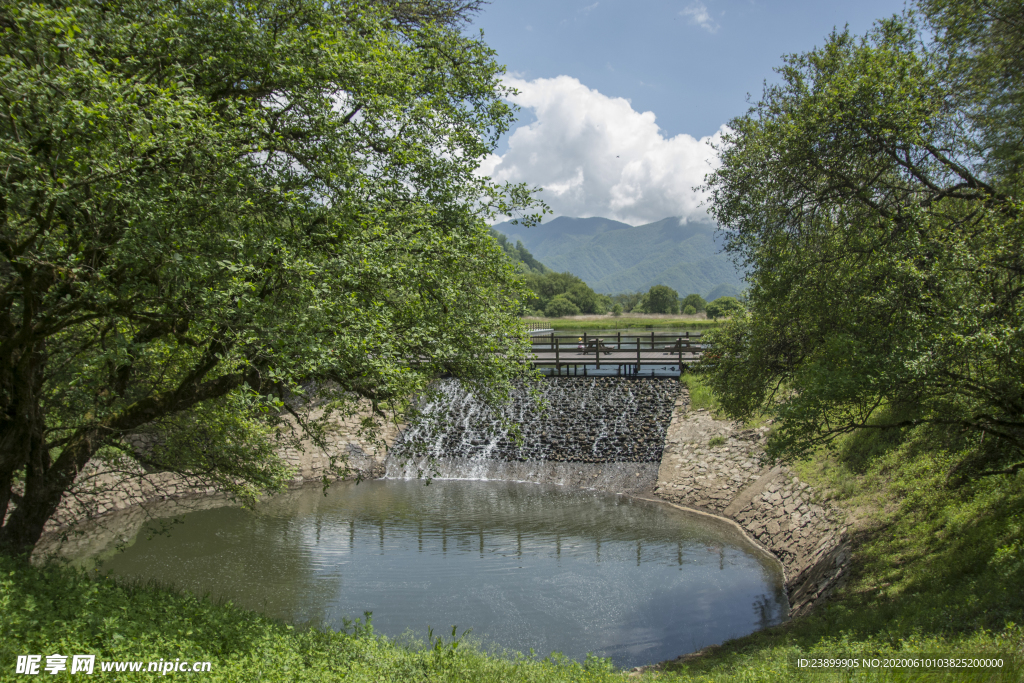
{"type": "Point", "coordinates": [525, 566]}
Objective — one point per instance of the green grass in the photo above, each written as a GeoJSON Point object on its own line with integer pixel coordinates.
{"type": "Point", "coordinates": [937, 568]}
{"type": "Point", "coordinates": [701, 396]}
{"type": "Point", "coordinates": [625, 322]}
{"type": "Point", "coordinates": [60, 610]}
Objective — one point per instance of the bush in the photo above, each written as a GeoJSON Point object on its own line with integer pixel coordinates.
{"type": "Point", "coordinates": [617, 310]}
{"type": "Point", "coordinates": [584, 297]}
{"type": "Point", "coordinates": [723, 307]}
{"type": "Point", "coordinates": [695, 300]}
{"type": "Point", "coordinates": [560, 306]}
{"type": "Point", "coordinates": [661, 299]}
{"type": "Point", "coordinates": [689, 310]}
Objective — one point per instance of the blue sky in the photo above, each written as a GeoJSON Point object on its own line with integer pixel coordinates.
{"type": "Point", "coordinates": [620, 99]}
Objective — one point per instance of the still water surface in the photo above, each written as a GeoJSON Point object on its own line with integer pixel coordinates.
{"type": "Point", "coordinates": [525, 566]}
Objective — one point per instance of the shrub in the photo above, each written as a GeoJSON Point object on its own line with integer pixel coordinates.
{"type": "Point", "coordinates": [723, 307]}
{"type": "Point", "coordinates": [662, 299]}
{"type": "Point", "coordinates": [689, 310]}
{"type": "Point", "coordinates": [560, 306]}
{"type": "Point", "coordinates": [695, 300]}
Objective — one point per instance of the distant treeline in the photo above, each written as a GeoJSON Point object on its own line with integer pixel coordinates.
{"type": "Point", "coordinates": [563, 294]}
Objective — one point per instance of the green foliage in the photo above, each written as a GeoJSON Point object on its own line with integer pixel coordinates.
{"type": "Point", "coordinates": [561, 306]}
{"type": "Point", "coordinates": [661, 299]}
{"type": "Point", "coordinates": [875, 197]}
{"type": "Point", "coordinates": [716, 441]}
{"type": "Point", "coordinates": [584, 298]}
{"type": "Point", "coordinates": [547, 286]}
{"type": "Point", "coordinates": [701, 396]}
{"type": "Point", "coordinates": [694, 300]}
{"type": "Point", "coordinates": [519, 255]}
{"type": "Point", "coordinates": [723, 307]}
{"type": "Point", "coordinates": [627, 300]}
{"type": "Point", "coordinates": [689, 310]}
{"type": "Point", "coordinates": [617, 310]}
{"type": "Point", "coordinates": [213, 209]}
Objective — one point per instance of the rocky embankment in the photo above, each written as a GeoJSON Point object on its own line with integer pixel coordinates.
{"type": "Point", "coordinates": [714, 466]}
{"type": "Point", "coordinates": [105, 487]}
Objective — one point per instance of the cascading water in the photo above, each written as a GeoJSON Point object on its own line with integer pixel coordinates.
{"type": "Point", "coordinates": [605, 433]}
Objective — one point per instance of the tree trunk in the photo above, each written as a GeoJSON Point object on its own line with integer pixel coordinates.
{"type": "Point", "coordinates": [22, 444]}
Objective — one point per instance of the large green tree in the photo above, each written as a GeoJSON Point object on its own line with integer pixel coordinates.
{"type": "Point", "coordinates": [214, 212]}
{"type": "Point", "coordinates": [874, 195]}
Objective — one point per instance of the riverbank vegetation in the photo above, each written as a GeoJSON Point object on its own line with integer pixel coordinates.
{"type": "Point", "coordinates": [935, 569]}
{"type": "Point", "coordinates": [874, 196]}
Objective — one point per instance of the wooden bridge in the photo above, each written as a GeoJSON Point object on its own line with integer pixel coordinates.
{"type": "Point", "coordinates": [625, 352]}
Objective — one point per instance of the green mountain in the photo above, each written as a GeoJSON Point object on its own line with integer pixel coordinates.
{"type": "Point", "coordinates": [519, 255]}
{"type": "Point", "coordinates": [614, 257]}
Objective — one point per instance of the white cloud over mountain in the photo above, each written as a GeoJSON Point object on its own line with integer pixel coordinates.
{"type": "Point", "coordinates": [595, 155]}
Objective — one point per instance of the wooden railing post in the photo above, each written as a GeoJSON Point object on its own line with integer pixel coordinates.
{"type": "Point", "coordinates": [597, 352]}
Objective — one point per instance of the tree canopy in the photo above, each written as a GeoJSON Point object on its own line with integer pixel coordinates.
{"type": "Point", "coordinates": [547, 285]}
{"type": "Point", "coordinates": [214, 210]}
{"type": "Point", "coordinates": [874, 197]}
{"type": "Point", "coordinates": [723, 307]}
{"type": "Point", "coordinates": [695, 300]}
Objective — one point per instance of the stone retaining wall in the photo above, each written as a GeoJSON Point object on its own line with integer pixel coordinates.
{"type": "Point", "coordinates": [783, 514]}
{"type": "Point", "coordinates": [110, 487]}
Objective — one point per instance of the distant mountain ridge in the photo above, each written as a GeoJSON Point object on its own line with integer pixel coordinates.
{"type": "Point", "coordinates": [614, 257]}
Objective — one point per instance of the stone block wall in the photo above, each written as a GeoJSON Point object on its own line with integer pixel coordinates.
{"type": "Point", "coordinates": [781, 513]}
{"type": "Point", "coordinates": [104, 488]}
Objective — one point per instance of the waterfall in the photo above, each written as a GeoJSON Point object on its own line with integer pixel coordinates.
{"type": "Point", "coordinates": [601, 432]}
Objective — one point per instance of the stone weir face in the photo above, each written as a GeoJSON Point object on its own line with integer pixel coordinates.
{"type": "Point", "coordinates": [605, 433]}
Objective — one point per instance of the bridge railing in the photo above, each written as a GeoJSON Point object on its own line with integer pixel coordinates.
{"type": "Point", "coordinates": [651, 341]}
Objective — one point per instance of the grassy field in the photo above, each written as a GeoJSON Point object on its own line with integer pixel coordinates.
{"type": "Point", "coordinates": [644, 321]}
{"type": "Point", "coordinates": [937, 570]}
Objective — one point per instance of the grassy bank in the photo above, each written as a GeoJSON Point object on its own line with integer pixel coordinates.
{"type": "Point", "coordinates": [937, 569]}
{"type": "Point", "coordinates": [608, 322]}
{"type": "Point", "coordinates": [57, 610]}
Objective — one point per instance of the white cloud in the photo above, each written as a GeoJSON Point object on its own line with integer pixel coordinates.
{"type": "Point", "coordinates": [698, 15]}
{"type": "Point", "coordinates": [595, 155]}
